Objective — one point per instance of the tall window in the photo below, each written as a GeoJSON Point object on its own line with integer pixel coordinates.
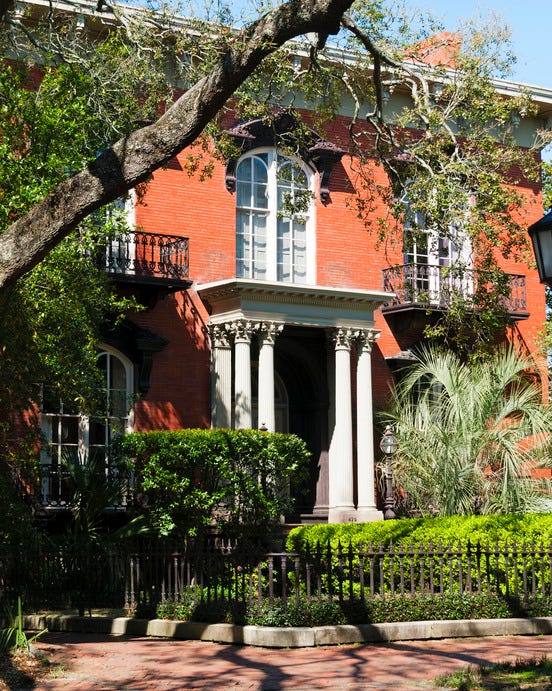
{"type": "Point", "coordinates": [68, 433]}
{"type": "Point", "coordinates": [437, 266]}
{"type": "Point", "coordinates": [274, 219]}
{"type": "Point", "coordinates": [121, 248]}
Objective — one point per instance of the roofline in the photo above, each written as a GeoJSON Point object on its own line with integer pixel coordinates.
{"type": "Point", "coordinates": [541, 95]}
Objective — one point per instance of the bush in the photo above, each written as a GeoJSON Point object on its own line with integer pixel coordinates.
{"type": "Point", "coordinates": [236, 480]}
{"type": "Point", "coordinates": [431, 547]}
{"type": "Point", "coordinates": [455, 530]}
{"type": "Point", "coordinates": [355, 612]}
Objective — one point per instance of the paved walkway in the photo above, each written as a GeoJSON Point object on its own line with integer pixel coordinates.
{"type": "Point", "coordinates": [92, 662]}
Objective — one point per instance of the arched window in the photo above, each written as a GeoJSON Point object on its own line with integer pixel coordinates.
{"type": "Point", "coordinates": [67, 433]}
{"type": "Point", "coordinates": [274, 219]}
{"type": "Point", "coordinates": [115, 420]}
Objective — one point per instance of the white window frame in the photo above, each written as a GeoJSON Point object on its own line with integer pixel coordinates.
{"type": "Point", "coordinates": [51, 454]}
{"type": "Point", "coordinates": [274, 157]}
{"type": "Point", "coordinates": [123, 246]}
{"type": "Point", "coordinates": [440, 252]}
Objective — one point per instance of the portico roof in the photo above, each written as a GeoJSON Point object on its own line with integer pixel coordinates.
{"type": "Point", "coordinates": [290, 303]}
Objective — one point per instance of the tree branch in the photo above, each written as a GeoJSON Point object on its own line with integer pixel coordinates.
{"type": "Point", "coordinates": [132, 159]}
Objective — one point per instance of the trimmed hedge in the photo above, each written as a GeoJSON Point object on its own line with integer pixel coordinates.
{"type": "Point", "coordinates": [378, 611]}
{"type": "Point", "coordinates": [455, 530]}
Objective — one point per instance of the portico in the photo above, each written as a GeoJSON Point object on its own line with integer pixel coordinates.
{"type": "Point", "coordinates": [312, 339]}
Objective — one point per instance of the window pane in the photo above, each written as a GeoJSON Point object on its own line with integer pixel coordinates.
{"type": "Point", "coordinates": [65, 430]}
{"type": "Point", "coordinates": [259, 246]}
{"type": "Point", "coordinates": [260, 198]}
{"type": "Point", "coordinates": [243, 194]}
{"type": "Point", "coordinates": [245, 170]}
{"type": "Point", "coordinates": [292, 250]}
{"type": "Point", "coordinates": [251, 187]}
{"type": "Point", "coordinates": [119, 402]}
{"type": "Point", "coordinates": [242, 244]}
{"type": "Point", "coordinates": [118, 374]}
{"type": "Point", "coordinates": [292, 259]}
{"type": "Point", "coordinates": [260, 169]}
{"type": "Point", "coordinates": [98, 433]}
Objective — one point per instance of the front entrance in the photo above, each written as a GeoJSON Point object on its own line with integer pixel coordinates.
{"type": "Point", "coordinates": [298, 359]}
{"type": "Point", "coordinates": [301, 363]}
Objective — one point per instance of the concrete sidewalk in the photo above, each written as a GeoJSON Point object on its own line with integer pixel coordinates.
{"type": "Point", "coordinates": [96, 661]}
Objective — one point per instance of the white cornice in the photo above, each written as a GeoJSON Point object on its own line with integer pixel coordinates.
{"type": "Point", "coordinates": [541, 95]}
{"type": "Point", "coordinates": [290, 303]}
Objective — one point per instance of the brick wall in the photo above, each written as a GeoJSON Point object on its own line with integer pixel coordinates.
{"type": "Point", "coordinates": [348, 256]}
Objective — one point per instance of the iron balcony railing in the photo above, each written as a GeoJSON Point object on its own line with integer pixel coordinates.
{"type": "Point", "coordinates": [426, 285]}
{"type": "Point", "coordinates": [139, 256]}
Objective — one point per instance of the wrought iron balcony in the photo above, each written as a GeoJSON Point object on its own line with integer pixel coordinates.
{"type": "Point", "coordinates": [436, 287]}
{"type": "Point", "coordinates": [57, 488]}
{"type": "Point", "coordinates": [149, 258]}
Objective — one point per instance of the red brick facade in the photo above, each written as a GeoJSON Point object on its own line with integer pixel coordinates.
{"type": "Point", "coordinates": [347, 256]}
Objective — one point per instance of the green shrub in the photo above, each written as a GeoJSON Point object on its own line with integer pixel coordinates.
{"type": "Point", "coordinates": [193, 479]}
{"type": "Point", "coordinates": [355, 611]}
{"type": "Point", "coordinates": [455, 530]}
{"type": "Point", "coordinates": [296, 614]}
{"type": "Point", "coordinates": [417, 538]}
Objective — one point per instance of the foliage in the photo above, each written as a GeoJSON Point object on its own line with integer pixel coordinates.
{"type": "Point", "coordinates": [357, 612]}
{"type": "Point", "coordinates": [278, 614]}
{"type": "Point", "coordinates": [17, 526]}
{"type": "Point", "coordinates": [191, 480]}
{"type": "Point", "coordinates": [52, 121]}
{"type": "Point", "coordinates": [522, 674]}
{"type": "Point", "coordinates": [95, 488]}
{"type": "Point", "coordinates": [13, 635]}
{"type": "Point", "coordinates": [472, 435]}
{"type": "Point", "coordinates": [87, 538]}
{"type": "Point", "coordinates": [430, 546]}
{"type": "Point", "coordinates": [547, 185]}
{"type": "Point", "coordinates": [472, 323]}
{"type": "Point", "coordinates": [546, 336]}
{"type": "Point", "coordinates": [498, 529]}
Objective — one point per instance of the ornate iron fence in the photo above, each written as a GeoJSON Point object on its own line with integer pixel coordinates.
{"type": "Point", "coordinates": [57, 487]}
{"type": "Point", "coordinates": [118, 576]}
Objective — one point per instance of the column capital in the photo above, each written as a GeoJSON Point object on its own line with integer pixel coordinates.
{"type": "Point", "coordinates": [343, 338]}
{"type": "Point", "coordinates": [221, 336]}
{"type": "Point", "coordinates": [268, 331]}
{"type": "Point", "coordinates": [366, 338]}
{"type": "Point", "coordinates": [242, 330]}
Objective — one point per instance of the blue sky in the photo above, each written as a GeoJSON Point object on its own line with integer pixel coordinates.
{"type": "Point", "coordinates": [529, 20]}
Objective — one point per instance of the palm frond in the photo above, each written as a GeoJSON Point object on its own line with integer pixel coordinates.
{"type": "Point", "coordinates": [471, 433]}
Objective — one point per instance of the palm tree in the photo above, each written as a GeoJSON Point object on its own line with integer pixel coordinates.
{"type": "Point", "coordinates": [471, 435]}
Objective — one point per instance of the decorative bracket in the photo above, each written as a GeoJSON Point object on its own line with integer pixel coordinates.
{"type": "Point", "coordinates": [318, 153]}
{"type": "Point", "coordinates": [139, 345]}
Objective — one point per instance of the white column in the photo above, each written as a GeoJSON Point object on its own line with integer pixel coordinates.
{"type": "Point", "coordinates": [341, 507]}
{"type": "Point", "coordinates": [366, 507]}
{"type": "Point", "coordinates": [221, 377]}
{"type": "Point", "coordinates": [267, 338]}
{"type": "Point", "coordinates": [242, 375]}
